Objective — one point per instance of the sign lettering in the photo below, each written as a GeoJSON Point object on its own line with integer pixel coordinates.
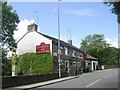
{"type": "Point", "coordinates": [42, 48]}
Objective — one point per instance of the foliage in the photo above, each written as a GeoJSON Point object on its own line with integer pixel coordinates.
{"type": "Point", "coordinates": [109, 56]}
{"type": "Point", "coordinates": [115, 7]}
{"type": "Point", "coordinates": [14, 59]}
{"type": "Point", "coordinates": [6, 63]}
{"type": "Point", "coordinates": [96, 46]}
{"type": "Point", "coordinates": [0, 21]}
{"type": "Point", "coordinates": [32, 63]}
{"type": "Point", "coordinates": [8, 23]}
{"type": "Point", "coordinates": [10, 20]}
{"type": "Point", "coordinates": [93, 42]}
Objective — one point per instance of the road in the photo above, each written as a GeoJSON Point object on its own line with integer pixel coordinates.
{"type": "Point", "coordinates": [98, 79]}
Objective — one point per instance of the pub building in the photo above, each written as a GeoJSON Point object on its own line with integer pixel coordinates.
{"type": "Point", "coordinates": [70, 56]}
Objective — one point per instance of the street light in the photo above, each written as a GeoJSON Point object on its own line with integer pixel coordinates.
{"type": "Point", "coordinates": [59, 42]}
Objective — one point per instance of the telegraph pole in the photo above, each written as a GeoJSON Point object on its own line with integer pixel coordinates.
{"type": "Point", "coordinates": [59, 42]}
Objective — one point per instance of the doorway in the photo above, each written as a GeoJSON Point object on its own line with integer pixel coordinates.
{"type": "Point", "coordinates": [67, 66]}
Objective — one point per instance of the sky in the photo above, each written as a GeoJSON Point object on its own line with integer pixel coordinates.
{"type": "Point", "coordinates": [77, 20]}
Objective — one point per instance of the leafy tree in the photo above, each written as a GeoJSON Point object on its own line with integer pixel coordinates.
{"type": "Point", "coordinates": [115, 7]}
{"type": "Point", "coordinates": [8, 23]}
{"type": "Point", "coordinates": [6, 63]}
{"type": "Point", "coordinates": [93, 42]}
{"type": "Point", "coordinates": [10, 20]}
{"type": "Point", "coordinates": [118, 56]}
{"type": "Point", "coordinates": [0, 21]}
{"type": "Point", "coordinates": [96, 46]}
{"type": "Point", "coordinates": [109, 56]}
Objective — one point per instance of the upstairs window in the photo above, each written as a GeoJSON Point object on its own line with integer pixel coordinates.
{"type": "Point", "coordinates": [66, 50]}
{"type": "Point", "coordinates": [80, 55]}
{"type": "Point", "coordinates": [73, 54]}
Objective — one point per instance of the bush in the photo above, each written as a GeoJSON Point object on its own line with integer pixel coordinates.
{"type": "Point", "coordinates": [34, 64]}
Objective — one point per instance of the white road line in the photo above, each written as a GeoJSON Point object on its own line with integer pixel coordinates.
{"type": "Point", "coordinates": [93, 83]}
{"type": "Point", "coordinates": [107, 75]}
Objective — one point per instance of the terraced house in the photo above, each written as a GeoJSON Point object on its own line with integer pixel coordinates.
{"type": "Point", "coordinates": [71, 57]}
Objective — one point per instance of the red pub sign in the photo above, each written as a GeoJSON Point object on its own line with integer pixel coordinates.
{"type": "Point", "coordinates": [42, 48]}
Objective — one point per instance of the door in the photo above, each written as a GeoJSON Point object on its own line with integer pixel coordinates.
{"type": "Point", "coordinates": [67, 68]}
{"type": "Point", "coordinates": [72, 68]}
{"type": "Point", "coordinates": [94, 66]}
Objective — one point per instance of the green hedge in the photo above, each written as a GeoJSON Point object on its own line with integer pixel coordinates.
{"type": "Point", "coordinates": [34, 64]}
{"type": "Point", "coordinates": [110, 66]}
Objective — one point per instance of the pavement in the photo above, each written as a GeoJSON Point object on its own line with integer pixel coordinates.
{"type": "Point", "coordinates": [100, 78]}
{"type": "Point", "coordinates": [35, 85]}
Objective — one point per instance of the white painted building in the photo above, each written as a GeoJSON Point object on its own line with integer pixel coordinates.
{"type": "Point", "coordinates": [91, 63]}
{"type": "Point", "coordinates": [71, 56]}
{"type": "Point", "coordinates": [30, 40]}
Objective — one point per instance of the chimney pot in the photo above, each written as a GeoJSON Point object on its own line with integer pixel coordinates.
{"type": "Point", "coordinates": [70, 42]}
{"type": "Point", "coordinates": [32, 27]}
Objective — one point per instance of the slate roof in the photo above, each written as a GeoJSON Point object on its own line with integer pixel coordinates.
{"type": "Point", "coordinates": [89, 57]}
{"type": "Point", "coordinates": [61, 42]}
{"type": "Point", "coordinates": [55, 41]}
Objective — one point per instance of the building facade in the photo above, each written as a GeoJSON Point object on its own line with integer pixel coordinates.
{"type": "Point", "coordinates": [91, 63]}
{"type": "Point", "coordinates": [70, 56]}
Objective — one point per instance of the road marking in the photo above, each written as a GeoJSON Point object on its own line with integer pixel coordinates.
{"type": "Point", "coordinates": [107, 75]}
{"type": "Point", "coordinates": [93, 83]}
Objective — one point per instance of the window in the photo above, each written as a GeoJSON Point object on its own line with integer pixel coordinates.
{"type": "Point", "coordinates": [59, 51]}
{"type": "Point", "coordinates": [73, 54]}
{"type": "Point", "coordinates": [66, 51]}
{"type": "Point", "coordinates": [54, 54]}
{"type": "Point", "coordinates": [80, 55]}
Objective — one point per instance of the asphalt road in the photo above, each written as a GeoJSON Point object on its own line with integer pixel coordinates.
{"type": "Point", "coordinates": [98, 79]}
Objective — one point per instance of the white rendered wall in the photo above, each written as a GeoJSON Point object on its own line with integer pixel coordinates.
{"type": "Point", "coordinates": [30, 41]}
{"type": "Point", "coordinates": [96, 63]}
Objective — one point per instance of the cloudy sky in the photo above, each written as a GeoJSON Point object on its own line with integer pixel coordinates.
{"type": "Point", "coordinates": [77, 20]}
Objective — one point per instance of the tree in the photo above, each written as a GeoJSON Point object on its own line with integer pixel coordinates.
{"type": "Point", "coordinates": [9, 23]}
{"type": "Point", "coordinates": [10, 20]}
{"type": "Point", "coordinates": [96, 46]}
{"type": "Point", "coordinates": [115, 7]}
{"type": "Point", "coordinates": [6, 63]}
{"type": "Point", "coordinates": [93, 42]}
{"type": "Point", "coordinates": [109, 56]}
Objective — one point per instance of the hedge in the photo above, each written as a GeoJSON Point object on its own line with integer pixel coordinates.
{"type": "Point", "coordinates": [34, 64]}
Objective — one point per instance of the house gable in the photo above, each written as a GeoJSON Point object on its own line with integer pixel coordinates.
{"type": "Point", "coordinates": [29, 42]}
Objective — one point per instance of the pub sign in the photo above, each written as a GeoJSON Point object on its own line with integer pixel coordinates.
{"type": "Point", "coordinates": [43, 48]}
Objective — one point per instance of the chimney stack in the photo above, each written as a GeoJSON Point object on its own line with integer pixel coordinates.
{"type": "Point", "coordinates": [32, 27]}
{"type": "Point", "coordinates": [70, 42]}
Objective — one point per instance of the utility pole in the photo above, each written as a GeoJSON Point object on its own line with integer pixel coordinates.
{"type": "Point", "coordinates": [59, 42]}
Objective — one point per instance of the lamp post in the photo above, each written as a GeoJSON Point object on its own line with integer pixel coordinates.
{"type": "Point", "coordinates": [59, 42]}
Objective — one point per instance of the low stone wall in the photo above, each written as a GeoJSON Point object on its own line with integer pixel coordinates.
{"type": "Point", "coordinates": [24, 80]}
